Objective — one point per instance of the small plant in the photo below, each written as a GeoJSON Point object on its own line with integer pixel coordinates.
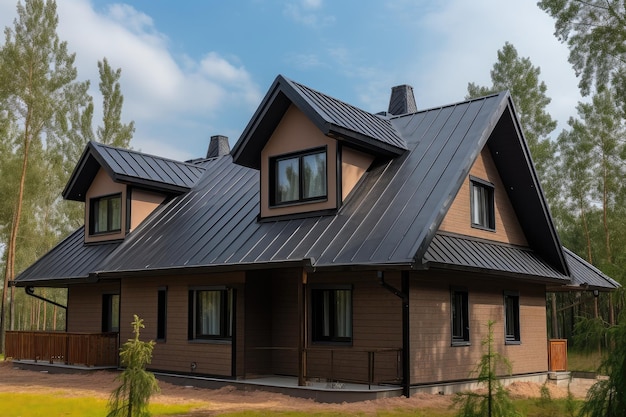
{"type": "Point", "coordinates": [131, 398]}
{"type": "Point", "coordinates": [496, 401]}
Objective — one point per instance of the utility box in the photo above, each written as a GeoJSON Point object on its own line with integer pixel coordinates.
{"type": "Point", "coordinates": [557, 355]}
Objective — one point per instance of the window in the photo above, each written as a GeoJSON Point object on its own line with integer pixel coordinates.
{"type": "Point", "coordinates": [111, 313]}
{"type": "Point", "coordinates": [483, 213]}
{"type": "Point", "coordinates": [161, 313]}
{"type": "Point", "coordinates": [210, 314]}
{"type": "Point", "coordinates": [460, 316]}
{"type": "Point", "coordinates": [106, 214]}
{"type": "Point", "coordinates": [511, 317]}
{"type": "Point", "coordinates": [298, 177]}
{"type": "Point", "coordinates": [332, 315]}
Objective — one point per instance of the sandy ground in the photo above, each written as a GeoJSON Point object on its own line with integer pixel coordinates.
{"type": "Point", "coordinates": [210, 402]}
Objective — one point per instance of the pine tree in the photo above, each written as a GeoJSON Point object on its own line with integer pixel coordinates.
{"type": "Point", "coordinates": [495, 402]}
{"type": "Point", "coordinates": [131, 398]}
{"type": "Point", "coordinates": [42, 76]}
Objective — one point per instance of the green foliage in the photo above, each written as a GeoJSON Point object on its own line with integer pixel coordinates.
{"type": "Point", "coordinates": [131, 398]}
{"type": "Point", "coordinates": [519, 76]}
{"type": "Point", "coordinates": [595, 32]}
{"type": "Point", "coordinates": [495, 402]}
{"type": "Point", "coordinates": [607, 397]}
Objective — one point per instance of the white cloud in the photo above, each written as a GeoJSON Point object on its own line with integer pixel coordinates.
{"type": "Point", "coordinates": [161, 91]}
{"type": "Point", "coordinates": [308, 13]}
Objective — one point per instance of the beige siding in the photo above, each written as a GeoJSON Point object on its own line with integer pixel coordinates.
{"type": "Point", "coordinates": [353, 166]}
{"type": "Point", "coordinates": [102, 186]}
{"type": "Point", "coordinates": [434, 359]}
{"type": "Point", "coordinates": [84, 305]}
{"type": "Point", "coordinates": [142, 204]}
{"type": "Point", "coordinates": [176, 353]}
{"type": "Point", "coordinates": [296, 132]}
{"type": "Point", "coordinates": [458, 219]}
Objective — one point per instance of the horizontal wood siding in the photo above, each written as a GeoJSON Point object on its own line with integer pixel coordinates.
{"type": "Point", "coordinates": [434, 359]}
{"type": "Point", "coordinates": [177, 353]}
{"type": "Point", "coordinates": [84, 305]}
{"type": "Point", "coordinates": [285, 325]}
{"type": "Point", "coordinates": [258, 323]}
{"type": "Point", "coordinates": [458, 219]}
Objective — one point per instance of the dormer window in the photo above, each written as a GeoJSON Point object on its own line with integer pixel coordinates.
{"type": "Point", "coordinates": [483, 211]}
{"type": "Point", "coordinates": [299, 177]}
{"type": "Point", "coordinates": [106, 214]}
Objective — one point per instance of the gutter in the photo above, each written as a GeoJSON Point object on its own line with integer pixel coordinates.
{"type": "Point", "coordinates": [31, 291]}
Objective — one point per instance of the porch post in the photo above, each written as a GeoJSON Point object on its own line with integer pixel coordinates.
{"type": "Point", "coordinates": [303, 325]}
{"type": "Point", "coordinates": [406, 334]}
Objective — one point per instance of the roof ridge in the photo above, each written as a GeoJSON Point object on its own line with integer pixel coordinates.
{"type": "Point", "coordinates": [456, 103]}
{"type": "Point", "coordinates": [137, 152]}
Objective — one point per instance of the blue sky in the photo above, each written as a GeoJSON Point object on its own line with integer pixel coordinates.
{"type": "Point", "coordinates": [196, 68]}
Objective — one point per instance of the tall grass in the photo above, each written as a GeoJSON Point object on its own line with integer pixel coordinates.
{"type": "Point", "coordinates": [587, 362]}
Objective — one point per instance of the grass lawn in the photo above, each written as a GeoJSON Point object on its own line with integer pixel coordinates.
{"type": "Point", "coordinates": [588, 362]}
{"type": "Point", "coordinates": [31, 405]}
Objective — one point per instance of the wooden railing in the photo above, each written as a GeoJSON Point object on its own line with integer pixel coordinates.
{"type": "Point", "coordinates": [89, 349]}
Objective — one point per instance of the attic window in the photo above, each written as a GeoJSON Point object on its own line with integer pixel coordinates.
{"type": "Point", "coordinates": [105, 214]}
{"type": "Point", "coordinates": [482, 201]}
{"type": "Point", "coordinates": [298, 177]}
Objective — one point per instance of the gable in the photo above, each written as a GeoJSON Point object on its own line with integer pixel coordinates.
{"type": "Point", "coordinates": [295, 133]}
{"type": "Point", "coordinates": [458, 217]}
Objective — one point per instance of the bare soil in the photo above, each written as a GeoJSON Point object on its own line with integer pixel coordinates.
{"type": "Point", "coordinates": [99, 384]}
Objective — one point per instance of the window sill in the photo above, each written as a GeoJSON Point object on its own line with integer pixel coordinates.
{"type": "Point", "coordinates": [459, 344]}
{"type": "Point", "coordinates": [513, 342]}
{"type": "Point", "coordinates": [486, 229]}
{"type": "Point", "coordinates": [331, 343]}
{"type": "Point", "coordinates": [299, 202]}
{"type": "Point", "coordinates": [211, 341]}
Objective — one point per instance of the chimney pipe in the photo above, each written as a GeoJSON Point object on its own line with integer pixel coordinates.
{"type": "Point", "coordinates": [402, 100]}
{"type": "Point", "coordinates": [218, 146]}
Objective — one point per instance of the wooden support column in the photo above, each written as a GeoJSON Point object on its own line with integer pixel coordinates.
{"type": "Point", "coordinates": [303, 325]}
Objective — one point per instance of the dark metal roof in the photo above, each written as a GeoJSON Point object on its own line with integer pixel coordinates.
{"type": "Point", "coordinates": [465, 252]}
{"type": "Point", "coordinates": [586, 275]}
{"type": "Point", "coordinates": [361, 129]}
{"type": "Point", "coordinates": [70, 259]}
{"type": "Point", "coordinates": [131, 167]}
{"type": "Point", "coordinates": [389, 220]}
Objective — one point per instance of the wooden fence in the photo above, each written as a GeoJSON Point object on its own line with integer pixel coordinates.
{"type": "Point", "coordinates": [89, 349]}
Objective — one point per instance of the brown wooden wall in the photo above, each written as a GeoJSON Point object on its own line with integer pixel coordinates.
{"type": "Point", "coordinates": [176, 353]}
{"type": "Point", "coordinates": [84, 305]}
{"type": "Point", "coordinates": [432, 355]}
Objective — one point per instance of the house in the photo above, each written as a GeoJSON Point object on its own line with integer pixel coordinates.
{"type": "Point", "coordinates": [330, 244]}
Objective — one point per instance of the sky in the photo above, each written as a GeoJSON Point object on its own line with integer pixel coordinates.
{"type": "Point", "coordinates": [196, 68]}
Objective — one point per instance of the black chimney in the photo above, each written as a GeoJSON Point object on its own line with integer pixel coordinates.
{"type": "Point", "coordinates": [402, 100]}
{"type": "Point", "coordinates": [218, 146]}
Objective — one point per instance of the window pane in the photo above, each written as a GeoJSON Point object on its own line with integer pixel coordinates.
{"type": "Point", "coordinates": [101, 223]}
{"type": "Point", "coordinates": [314, 175]}
{"type": "Point", "coordinates": [116, 213]}
{"type": "Point", "coordinates": [208, 322]}
{"type": "Point", "coordinates": [287, 180]}
{"type": "Point", "coordinates": [511, 306]}
{"type": "Point", "coordinates": [482, 205]}
{"type": "Point", "coordinates": [343, 308]}
{"type": "Point", "coordinates": [115, 313]}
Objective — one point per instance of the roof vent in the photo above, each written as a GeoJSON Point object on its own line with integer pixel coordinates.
{"type": "Point", "coordinates": [402, 100]}
{"type": "Point", "coordinates": [218, 146]}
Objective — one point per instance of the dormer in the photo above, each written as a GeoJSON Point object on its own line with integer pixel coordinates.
{"type": "Point", "coordinates": [121, 187]}
{"type": "Point", "coordinates": [311, 149]}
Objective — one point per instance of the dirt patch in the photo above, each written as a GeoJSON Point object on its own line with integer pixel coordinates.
{"type": "Point", "coordinates": [99, 384]}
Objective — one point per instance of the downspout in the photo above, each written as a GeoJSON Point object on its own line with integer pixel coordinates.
{"type": "Point", "coordinates": [31, 291]}
{"type": "Point", "coordinates": [403, 294]}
